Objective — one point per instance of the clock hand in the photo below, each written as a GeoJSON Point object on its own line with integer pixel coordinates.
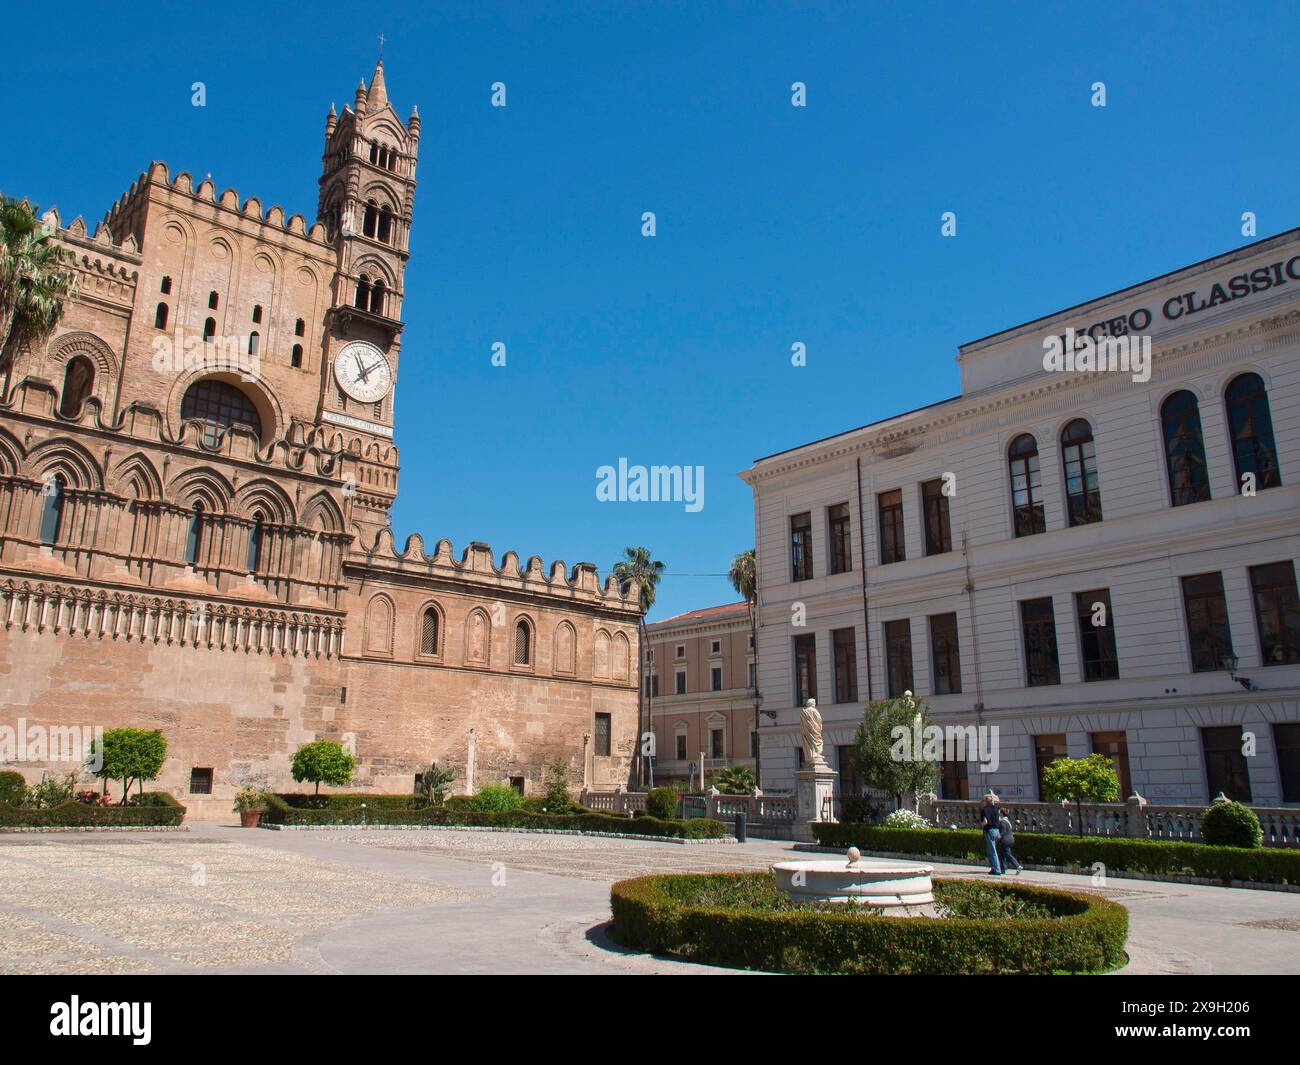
{"type": "Point", "coordinates": [360, 368]}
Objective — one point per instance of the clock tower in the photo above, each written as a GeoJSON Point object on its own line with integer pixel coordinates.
{"type": "Point", "coordinates": [367, 190]}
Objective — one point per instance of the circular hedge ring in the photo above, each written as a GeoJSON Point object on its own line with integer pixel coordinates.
{"type": "Point", "coordinates": [664, 915]}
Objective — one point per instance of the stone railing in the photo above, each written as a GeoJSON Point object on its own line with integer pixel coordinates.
{"type": "Point", "coordinates": [613, 802]}
{"type": "Point", "coordinates": [758, 809]}
{"type": "Point", "coordinates": [1134, 819]}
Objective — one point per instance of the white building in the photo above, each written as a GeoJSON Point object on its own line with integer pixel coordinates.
{"type": "Point", "coordinates": [1074, 495]}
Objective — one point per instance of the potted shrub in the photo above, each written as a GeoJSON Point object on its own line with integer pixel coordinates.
{"type": "Point", "coordinates": [250, 804]}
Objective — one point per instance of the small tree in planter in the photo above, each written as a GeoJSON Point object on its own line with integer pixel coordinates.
{"type": "Point", "coordinates": [1091, 779]}
{"type": "Point", "coordinates": [250, 804]}
{"type": "Point", "coordinates": [323, 762]}
{"type": "Point", "coordinates": [128, 755]}
{"type": "Point", "coordinates": [434, 783]}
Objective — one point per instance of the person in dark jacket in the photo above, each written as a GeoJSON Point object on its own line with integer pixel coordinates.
{"type": "Point", "coordinates": [992, 832]}
{"type": "Point", "coordinates": [1006, 842]}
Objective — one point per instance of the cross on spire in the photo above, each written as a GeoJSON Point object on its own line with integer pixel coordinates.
{"type": "Point", "coordinates": [381, 46]}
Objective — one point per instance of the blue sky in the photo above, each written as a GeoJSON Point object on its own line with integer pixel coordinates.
{"type": "Point", "coordinates": [776, 224]}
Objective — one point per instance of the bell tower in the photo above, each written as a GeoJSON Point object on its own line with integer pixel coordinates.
{"type": "Point", "coordinates": [367, 190]}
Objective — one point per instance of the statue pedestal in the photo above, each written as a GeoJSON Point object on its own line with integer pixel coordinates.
{"type": "Point", "coordinates": [814, 788]}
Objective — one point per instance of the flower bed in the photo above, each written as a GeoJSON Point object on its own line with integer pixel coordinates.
{"type": "Point", "coordinates": [1266, 865]}
{"type": "Point", "coordinates": [735, 919]}
{"type": "Point", "coordinates": [154, 809]}
{"type": "Point", "coordinates": [401, 810]}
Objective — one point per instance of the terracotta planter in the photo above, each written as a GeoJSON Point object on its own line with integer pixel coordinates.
{"type": "Point", "coordinates": [250, 818]}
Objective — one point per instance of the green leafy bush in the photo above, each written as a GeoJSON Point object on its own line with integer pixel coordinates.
{"type": "Point", "coordinates": [859, 809]}
{"type": "Point", "coordinates": [497, 797]}
{"type": "Point", "coordinates": [1229, 824]}
{"type": "Point", "coordinates": [1036, 930]}
{"type": "Point", "coordinates": [155, 808]}
{"type": "Point", "coordinates": [12, 788]}
{"type": "Point", "coordinates": [323, 762]}
{"type": "Point", "coordinates": [735, 780]}
{"type": "Point", "coordinates": [905, 819]}
{"type": "Point", "coordinates": [1266, 865]}
{"type": "Point", "coordinates": [131, 755]}
{"type": "Point", "coordinates": [661, 803]}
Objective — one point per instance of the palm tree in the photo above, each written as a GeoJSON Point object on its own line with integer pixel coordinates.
{"type": "Point", "coordinates": [636, 569]}
{"type": "Point", "coordinates": [35, 281]}
{"type": "Point", "coordinates": [744, 578]}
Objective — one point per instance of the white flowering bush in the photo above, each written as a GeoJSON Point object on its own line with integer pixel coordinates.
{"type": "Point", "coordinates": [906, 819]}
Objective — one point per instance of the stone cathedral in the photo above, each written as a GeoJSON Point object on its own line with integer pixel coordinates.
{"type": "Point", "coordinates": [196, 471]}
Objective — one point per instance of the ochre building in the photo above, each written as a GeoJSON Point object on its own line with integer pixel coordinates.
{"type": "Point", "coordinates": [196, 472]}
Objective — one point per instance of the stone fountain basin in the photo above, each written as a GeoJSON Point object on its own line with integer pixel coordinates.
{"type": "Point", "coordinates": [866, 882]}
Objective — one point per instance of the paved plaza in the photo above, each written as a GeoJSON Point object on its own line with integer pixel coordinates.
{"type": "Point", "coordinates": [221, 899]}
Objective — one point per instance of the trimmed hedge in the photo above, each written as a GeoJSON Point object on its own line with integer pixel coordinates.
{"type": "Point", "coordinates": [12, 787]}
{"type": "Point", "coordinates": [654, 913]}
{"type": "Point", "coordinates": [400, 810]}
{"type": "Point", "coordinates": [1230, 824]}
{"type": "Point", "coordinates": [1267, 865]}
{"type": "Point", "coordinates": [158, 808]}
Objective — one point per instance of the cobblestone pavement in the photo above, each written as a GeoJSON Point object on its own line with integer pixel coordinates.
{"type": "Point", "coordinates": [222, 899]}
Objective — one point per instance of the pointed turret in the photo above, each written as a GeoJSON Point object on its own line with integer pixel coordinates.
{"type": "Point", "coordinates": [360, 106]}
{"type": "Point", "coordinates": [413, 123]}
{"type": "Point", "coordinates": [331, 120]}
{"type": "Point", "coordinates": [378, 96]}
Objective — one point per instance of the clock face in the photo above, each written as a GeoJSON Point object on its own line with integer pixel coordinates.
{"type": "Point", "coordinates": [362, 371]}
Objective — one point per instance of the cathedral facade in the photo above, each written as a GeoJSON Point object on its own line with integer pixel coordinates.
{"type": "Point", "coordinates": [196, 473]}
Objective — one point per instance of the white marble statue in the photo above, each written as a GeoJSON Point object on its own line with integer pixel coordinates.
{"type": "Point", "coordinates": [810, 730]}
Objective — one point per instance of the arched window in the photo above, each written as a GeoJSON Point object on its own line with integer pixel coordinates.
{"type": "Point", "coordinates": [1026, 486]}
{"type": "Point", "coordinates": [369, 219]}
{"type": "Point", "coordinates": [254, 342]}
{"type": "Point", "coordinates": [374, 152]}
{"type": "Point", "coordinates": [377, 297]}
{"type": "Point", "coordinates": [194, 539]}
{"type": "Point", "coordinates": [1189, 476]}
{"type": "Point", "coordinates": [218, 406]}
{"type": "Point", "coordinates": [1250, 427]}
{"type": "Point", "coordinates": [78, 383]}
{"type": "Point", "coordinates": [160, 316]}
{"type": "Point", "coordinates": [1079, 457]}
{"type": "Point", "coordinates": [255, 545]}
{"type": "Point", "coordinates": [295, 359]}
{"type": "Point", "coordinates": [213, 299]}
{"type": "Point", "coordinates": [385, 231]}
{"type": "Point", "coordinates": [523, 644]}
{"type": "Point", "coordinates": [299, 328]}
{"type": "Point", "coordinates": [52, 509]}
{"type": "Point", "coordinates": [363, 292]}
{"type": "Point", "coordinates": [166, 287]}
{"type": "Point", "coordinates": [429, 632]}
{"type": "Point", "coordinates": [209, 329]}
{"type": "Point", "coordinates": [257, 313]}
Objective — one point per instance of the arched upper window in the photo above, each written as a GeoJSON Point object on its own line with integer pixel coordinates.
{"type": "Point", "coordinates": [1079, 458]}
{"type": "Point", "coordinates": [254, 342]}
{"type": "Point", "coordinates": [209, 329]}
{"type": "Point", "coordinates": [52, 509]}
{"type": "Point", "coordinates": [374, 152]}
{"type": "Point", "coordinates": [385, 230]}
{"type": "Point", "coordinates": [160, 316]}
{"type": "Point", "coordinates": [1026, 486]}
{"type": "Point", "coordinates": [363, 292]}
{"type": "Point", "coordinates": [523, 644]}
{"type": "Point", "coordinates": [219, 405]}
{"type": "Point", "coordinates": [1189, 476]}
{"type": "Point", "coordinates": [377, 296]}
{"type": "Point", "coordinates": [295, 358]}
{"type": "Point", "coordinates": [194, 539]}
{"type": "Point", "coordinates": [429, 632]}
{"type": "Point", "coordinates": [1250, 427]}
{"type": "Point", "coordinates": [255, 545]}
{"type": "Point", "coordinates": [370, 219]}
{"type": "Point", "coordinates": [78, 384]}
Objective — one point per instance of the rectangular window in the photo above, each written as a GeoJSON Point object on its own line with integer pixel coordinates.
{"type": "Point", "coordinates": [681, 746]}
{"type": "Point", "coordinates": [681, 682]}
{"type": "Point", "coordinates": [1277, 613]}
{"type": "Point", "coordinates": [1038, 625]}
{"type": "Point", "coordinates": [934, 505]}
{"type": "Point", "coordinates": [1097, 635]}
{"type": "Point", "coordinates": [604, 724]}
{"type": "Point", "coordinates": [846, 665]}
{"type": "Point", "coordinates": [945, 654]}
{"type": "Point", "coordinates": [898, 656]}
{"type": "Point", "coordinates": [654, 686]}
{"type": "Point", "coordinates": [805, 669]}
{"type": "Point", "coordinates": [200, 781]}
{"type": "Point", "coordinates": [850, 782]}
{"type": "Point", "coordinates": [801, 547]}
{"type": "Point", "coordinates": [715, 679]}
{"type": "Point", "coordinates": [1286, 738]}
{"type": "Point", "coordinates": [681, 651]}
{"type": "Point", "coordinates": [715, 647]}
{"type": "Point", "coordinates": [717, 743]}
{"type": "Point", "coordinates": [1114, 745]}
{"type": "Point", "coordinates": [753, 743]}
{"type": "Point", "coordinates": [892, 548]}
{"type": "Point", "coordinates": [517, 783]}
{"type": "Point", "coordinates": [953, 780]}
{"type": "Point", "coordinates": [1208, 633]}
{"type": "Point", "coordinates": [840, 538]}
{"type": "Point", "coordinates": [1047, 749]}
{"type": "Point", "coordinates": [1225, 764]}
{"type": "Point", "coordinates": [753, 682]}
